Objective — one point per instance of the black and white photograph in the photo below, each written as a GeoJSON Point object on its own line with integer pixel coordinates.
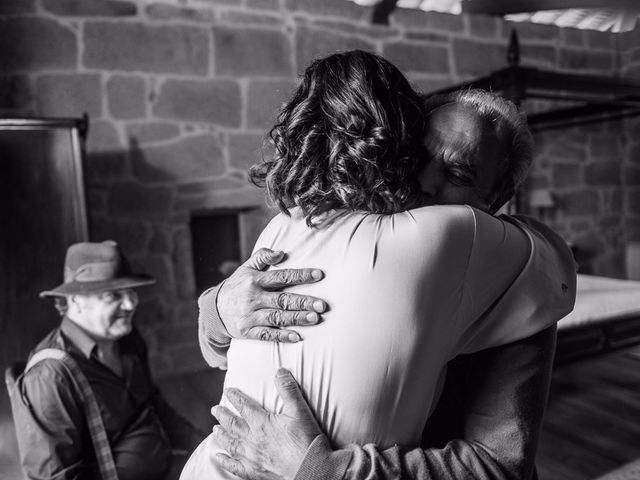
{"type": "Point", "coordinates": [320, 239]}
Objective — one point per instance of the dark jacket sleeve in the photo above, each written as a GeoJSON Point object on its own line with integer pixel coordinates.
{"type": "Point", "coordinates": [54, 441]}
{"type": "Point", "coordinates": [486, 424]}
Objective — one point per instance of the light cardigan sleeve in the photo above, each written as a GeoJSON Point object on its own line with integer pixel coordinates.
{"type": "Point", "coordinates": [213, 337]}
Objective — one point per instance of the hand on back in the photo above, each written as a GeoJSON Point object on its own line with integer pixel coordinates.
{"type": "Point", "coordinates": [252, 305]}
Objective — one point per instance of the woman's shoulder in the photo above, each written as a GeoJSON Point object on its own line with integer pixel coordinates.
{"type": "Point", "coordinates": [443, 216]}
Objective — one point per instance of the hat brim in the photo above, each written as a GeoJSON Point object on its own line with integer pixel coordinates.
{"type": "Point", "coordinates": [88, 288]}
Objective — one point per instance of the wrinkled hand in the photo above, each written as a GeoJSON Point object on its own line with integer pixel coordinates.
{"type": "Point", "coordinates": [264, 445]}
{"type": "Point", "coordinates": [251, 306]}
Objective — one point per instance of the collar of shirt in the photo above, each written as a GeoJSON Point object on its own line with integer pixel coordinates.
{"type": "Point", "coordinates": [80, 339]}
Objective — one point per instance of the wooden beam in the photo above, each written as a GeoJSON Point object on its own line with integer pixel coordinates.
{"type": "Point", "coordinates": [382, 10]}
{"type": "Point", "coordinates": [505, 7]}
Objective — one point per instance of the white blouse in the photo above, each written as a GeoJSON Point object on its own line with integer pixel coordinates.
{"type": "Point", "coordinates": [407, 293]}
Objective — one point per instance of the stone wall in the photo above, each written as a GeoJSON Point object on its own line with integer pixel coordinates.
{"type": "Point", "coordinates": [180, 94]}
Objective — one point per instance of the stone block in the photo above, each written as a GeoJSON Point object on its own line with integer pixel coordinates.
{"type": "Point", "coordinates": [96, 202]}
{"type": "Point", "coordinates": [631, 175]}
{"type": "Point", "coordinates": [31, 44]}
{"type": "Point", "coordinates": [634, 56]}
{"type": "Point", "coordinates": [429, 83]}
{"type": "Point", "coordinates": [542, 56]}
{"type": "Point", "coordinates": [248, 197]}
{"type": "Point", "coordinates": [565, 175]}
{"type": "Point", "coordinates": [215, 101]}
{"type": "Point", "coordinates": [478, 58]}
{"type": "Point", "coordinates": [409, 18]}
{"type": "Point", "coordinates": [160, 267]}
{"type": "Point", "coordinates": [103, 138]}
{"type": "Point", "coordinates": [533, 31]}
{"type": "Point", "coordinates": [162, 11]}
{"type": "Point", "coordinates": [632, 201]}
{"type": "Point", "coordinates": [162, 240]}
{"type": "Point", "coordinates": [187, 358]}
{"type": "Point", "coordinates": [603, 173]}
{"type": "Point", "coordinates": [152, 311]}
{"type": "Point", "coordinates": [578, 59]}
{"type": "Point", "coordinates": [418, 58]}
{"type": "Point", "coordinates": [630, 39]}
{"type": "Point", "coordinates": [69, 95]}
{"type": "Point", "coordinates": [610, 264]}
{"type": "Point", "coordinates": [483, 26]}
{"type": "Point", "coordinates": [427, 37]}
{"type": "Point", "coordinates": [632, 228]}
{"type": "Point", "coordinates": [273, 5]}
{"type": "Point", "coordinates": [132, 236]}
{"type": "Point", "coordinates": [196, 157]}
{"type": "Point", "coordinates": [183, 264]}
{"type": "Point", "coordinates": [264, 101]}
{"type": "Point", "coordinates": [601, 40]}
{"type": "Point", "coordinates": [261, 18]}
{"type": "Point", "coordinates": [185, 313]}
{"type": "Point", "coordinates": [102, 168]}
{"type": "Point", "coordinates": [633, 154]}
{"type": "Point", "coordinates": [573, 37]}
{"type": "Point", "coordinates": [312, 43]}
{"type": "Point", "coordinates": [171, 49]}
{"type": "Point", "coordinates": [566, 152]}
{"type": "Point", "coordinates": [245, 150]}
{"type": "Point", "coordinates": [15, 91]}
{"type": "Point", "coordinates": [149, 132]}
{"type": "Point", "coordinates": [613, 200]}
{"type": "Point", "coordinates": [198, 187]}
{"type": "Point", "coordinates": [176, 334]}
{"type": "Point", "coordinates": [580, 202]}
{"type": "Point", "coordinates": [90, 8]}
{"type": "Point", "coordinates": [536, 180]}
{"type": "Point", "coordinates": [251, 51]}
{"type": "Point", "coordinates": [631, 71]}
{"type": "Point", "coordinates": [17, 7]}
{"type": "Point", "coordinates": [336, 8]}
{"type": "Point", "coordinates": [127, 97]}
{"type": "Point", "coordinates": [368, 30]}
{"type": "Point", "coordinates": [605, 145]}
{"type": "Point", "coordinates": [143, 202]}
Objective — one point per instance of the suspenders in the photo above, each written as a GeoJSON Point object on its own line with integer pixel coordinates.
{"type": "Point", "coordinates": [92, 411]}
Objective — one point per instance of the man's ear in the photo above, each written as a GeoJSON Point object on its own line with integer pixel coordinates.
{"type": "Point", "coordinates": [75, 302]}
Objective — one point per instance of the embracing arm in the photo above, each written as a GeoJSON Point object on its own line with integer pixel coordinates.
{"type": "Point", "coordinates": [253, 307]}
{"type": "Point", "coordinates": [492, 433]}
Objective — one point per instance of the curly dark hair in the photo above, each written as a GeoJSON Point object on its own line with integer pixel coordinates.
{"type": "Point", "coordinates": [350, 137]}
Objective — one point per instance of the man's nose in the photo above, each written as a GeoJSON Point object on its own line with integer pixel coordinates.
{"type": "Point", "coordinates": [129, 302]}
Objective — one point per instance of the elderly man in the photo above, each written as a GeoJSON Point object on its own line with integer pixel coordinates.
{"type": "Point", "coordinates": [102, 350]}
{"type": "Point", "coordinates": [487, 421]}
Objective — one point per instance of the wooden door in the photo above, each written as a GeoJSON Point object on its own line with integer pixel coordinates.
{"type": "Point", "coordinates": [42, 212]}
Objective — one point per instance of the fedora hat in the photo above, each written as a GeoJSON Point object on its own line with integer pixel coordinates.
{"type": "Point", "coordinates": [96, 267]}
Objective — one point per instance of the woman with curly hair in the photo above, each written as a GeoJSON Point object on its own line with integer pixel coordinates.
{"type": "Point", "coordinates": [409, 287]}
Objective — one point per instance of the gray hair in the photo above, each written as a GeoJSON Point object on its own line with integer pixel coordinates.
{"type": "Point", "coordinates": [510, 126]}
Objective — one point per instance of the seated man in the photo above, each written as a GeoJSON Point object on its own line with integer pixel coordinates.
{"type": "Point", "coordinates": [487, 421]}
{"type": "Point", "coordinates": [97, 301]}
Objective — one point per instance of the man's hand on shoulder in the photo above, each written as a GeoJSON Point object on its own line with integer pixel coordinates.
{"type": "Point", "coordinates": [264, 445]}
{"type": "Point", "coordinates": [252, 306]}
